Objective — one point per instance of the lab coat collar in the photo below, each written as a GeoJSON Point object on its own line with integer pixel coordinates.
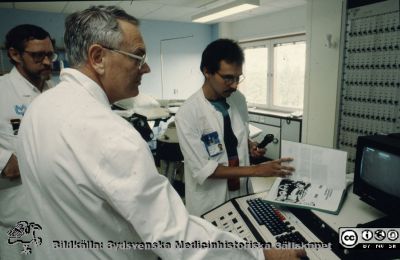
{"type": "Point", "coordinates": [229, 100]}
{"type": "Point", "coordinates": [206, 101]}
{"type": "Point", "coordinates": [200, 93]}
{"type": "Point", "coordinates": [217, 115]}
{"type": "Point", "coordinates": [23, 87]}
{"type": "Point", "coordinates": [87, 83]}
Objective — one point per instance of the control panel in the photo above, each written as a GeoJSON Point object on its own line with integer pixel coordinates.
{"type": "Point", "coordinates": [370, 91]}
{"type": "Point", "coordinates": [255, 220]}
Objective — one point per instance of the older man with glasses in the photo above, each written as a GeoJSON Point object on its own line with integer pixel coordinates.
{"type": "Point", "coordinates": [30, 49]}
{"type": "Point", "coordinates": [213, 133]}
{"type": "Point", "coordinates": [94, 188]}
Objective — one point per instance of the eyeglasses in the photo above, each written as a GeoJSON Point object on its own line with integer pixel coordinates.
{"type": "Point", "coordinates": [142, 59]}
{"type": "Point", "coordinates": [230, 79]}
{"type": "Point", "coordinates": [40, 55]}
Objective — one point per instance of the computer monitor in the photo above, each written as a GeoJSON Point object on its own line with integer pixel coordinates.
{"type": "Point", "coordinates": [377, 172]}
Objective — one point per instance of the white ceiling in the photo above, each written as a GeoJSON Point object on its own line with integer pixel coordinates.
{"type": "Point", "coordinates": [165, 10]}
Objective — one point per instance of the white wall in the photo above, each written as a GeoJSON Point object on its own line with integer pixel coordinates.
{"type": "Point", "coordinates": [281, 23]}
{"type": "Point", "coordinates": [154, 34]}
{"type": "Point", "coordinates": [322, 71]}
{"type": "Point", "coordinates": [318, 18]}
{"type": "Point", "coordinates": [159, 34]}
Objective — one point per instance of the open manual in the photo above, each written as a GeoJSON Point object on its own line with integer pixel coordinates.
{"type": "Point", "coordinates": [319, 181]}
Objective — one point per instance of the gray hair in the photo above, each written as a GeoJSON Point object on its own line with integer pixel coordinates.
{"type": "Point", "coordinates": [95, 25]}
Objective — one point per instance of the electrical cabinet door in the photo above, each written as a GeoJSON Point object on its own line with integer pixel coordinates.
{"type": "Point", "coordinates": [290, 130]}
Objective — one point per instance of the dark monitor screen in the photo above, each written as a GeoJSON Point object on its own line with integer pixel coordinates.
{"type": "Point", "coordinates": [377, 172]}
{"type": "Point", "coordinates": [381, 170]}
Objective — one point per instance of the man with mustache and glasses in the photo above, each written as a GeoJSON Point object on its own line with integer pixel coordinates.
{"type": "Point", "coordinates": [212, 127]}
{"type": "Point", "coordinates": [31, 51]}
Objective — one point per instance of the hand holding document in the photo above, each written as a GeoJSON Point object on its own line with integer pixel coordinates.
{"type": "Point", "coordinates": [319, 181]}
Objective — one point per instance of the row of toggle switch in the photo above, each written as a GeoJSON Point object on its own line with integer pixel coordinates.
{"type": "Point", "coordinates": [372, 117]}
{"type": "Point", "coordinates": [373, 100]}
{"type": "Point", "coordinates": [373, 66]}
{"type": "Point", "coordinates": [372, 83]}
{"type": "Point", "coordinates": [387, 29]}
{"type": "Point", "coordinates": [389, 47]}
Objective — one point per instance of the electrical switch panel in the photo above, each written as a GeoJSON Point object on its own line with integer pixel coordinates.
{"type": "Point", "coordinates": [370, 89]}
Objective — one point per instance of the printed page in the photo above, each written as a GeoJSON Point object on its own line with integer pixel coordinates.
{"type": "Point", "coordinates": [319, 165]}
{"type": "Point", "coordinates": [305, 194]}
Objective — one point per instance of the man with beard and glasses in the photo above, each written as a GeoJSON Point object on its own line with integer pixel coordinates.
{"type": "Point", "coordinates": [31, 51]}
{"type": "Point", "coordinates": [212, 127]}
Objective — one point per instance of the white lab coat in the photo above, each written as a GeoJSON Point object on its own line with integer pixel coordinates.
{"type": "Point", "coordinates": [197, 116]}
{"type": "Point", "coordinates": [16, 93]}
{"type": "Point", "coordinates": [92, 178]}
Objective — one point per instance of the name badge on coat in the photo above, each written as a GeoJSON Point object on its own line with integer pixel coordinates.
{"type": "Point", "coordinates": [212, 143]}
